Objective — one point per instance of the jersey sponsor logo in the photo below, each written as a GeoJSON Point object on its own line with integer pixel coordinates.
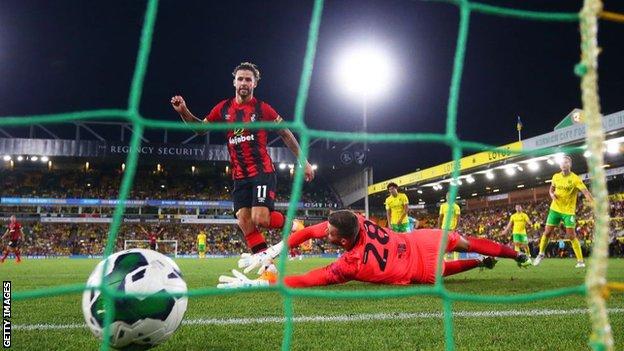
{"type": "Point", "coordinates": [235, 140]}
{"type": "Point", "coordinates": [253, 117]}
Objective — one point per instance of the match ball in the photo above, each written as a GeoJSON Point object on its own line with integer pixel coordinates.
{"type": "Point", "coordinates": [138, 322]}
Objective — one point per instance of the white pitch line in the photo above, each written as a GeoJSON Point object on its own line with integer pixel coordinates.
{"type": "Point", "coordinates": [349, 318]}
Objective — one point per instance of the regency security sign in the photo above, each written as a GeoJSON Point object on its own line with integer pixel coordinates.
{"type": "Point", "coordinates": [95, 148]}
{"type": "Point", "coordinates": [194, 151]}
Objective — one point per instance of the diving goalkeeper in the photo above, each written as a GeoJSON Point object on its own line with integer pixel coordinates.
{"type": "Point", "coordinates": [376, 255]}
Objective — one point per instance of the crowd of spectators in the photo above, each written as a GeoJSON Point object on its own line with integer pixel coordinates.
{"type": "Point", "coordinates": [90, 239]}
{"type": "Point", "coordinates": [59, 239]}
{"type": "Point", "coordinates": [211, 184]}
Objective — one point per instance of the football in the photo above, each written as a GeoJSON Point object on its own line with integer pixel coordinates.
{"type": "Point", "coordinates": [139, 322]}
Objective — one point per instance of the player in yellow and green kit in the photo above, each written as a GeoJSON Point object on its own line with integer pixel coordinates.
{"type": "Point", "coordinates": [519, 221]}
{"type": "Point", "coordinates": [396, 209]}
{"type": "Point", "coordinates": [564, 189]}
{"type": "Point", "coordinates": [201, 244]}
{"type": "Point", "coordinates": [445, 211]}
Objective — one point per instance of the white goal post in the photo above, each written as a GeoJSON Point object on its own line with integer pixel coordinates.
{"type": "Point", "coordinates": [130, 244]}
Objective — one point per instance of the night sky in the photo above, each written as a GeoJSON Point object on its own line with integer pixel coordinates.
{"type": "Point", "coordinates": [60, 56]}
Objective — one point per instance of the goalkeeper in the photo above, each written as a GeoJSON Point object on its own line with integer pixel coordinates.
{"type": "Point", "coordinates": [375, 255]}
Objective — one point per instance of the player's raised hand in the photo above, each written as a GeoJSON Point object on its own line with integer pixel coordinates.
{"type": "Point", "coordinates": [239, 280]}
{"type": "Point", "coordinates": [178, 104]}
{"type": "Point", "coordinates": [309, 172]}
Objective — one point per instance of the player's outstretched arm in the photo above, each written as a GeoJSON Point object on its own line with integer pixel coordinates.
{"type": "Point", "coordinates": [239, 280]}
{"type": "Point", "coordinates": [248, 261]}
{"type": "Point", "coordinates": [179, 105]}
{"type": "Point", "coordinates": [317, 277]}
{"type": "Point", "coordinates": [293, 145]}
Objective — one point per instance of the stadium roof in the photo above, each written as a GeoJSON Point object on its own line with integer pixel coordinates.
{"type": "Point", "coordinates": [481, 173]}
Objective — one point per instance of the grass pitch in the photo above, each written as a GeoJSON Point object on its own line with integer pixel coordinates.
{"type": "Point", "coordinates": [252, 321]}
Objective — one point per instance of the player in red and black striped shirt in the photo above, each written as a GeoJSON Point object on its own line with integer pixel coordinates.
{"type": "Point", "coordinates": [152, 236]}
{"type": "Point", "coordinates": [252, 167]}
{"type": "Point", "coordinates": [14, 233]}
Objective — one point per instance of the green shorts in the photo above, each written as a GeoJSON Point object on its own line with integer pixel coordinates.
{"type": "Point", "coordinates": [555, 218]}
{"type": "Point", "coordinates": [400, 228]}
{"type": "Point", "coordinates": [520, 238]}
{"type": "Point", "coordinates": [201, 247]}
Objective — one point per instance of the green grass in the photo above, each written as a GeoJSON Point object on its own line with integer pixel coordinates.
{"type": "Point", "coordinates": [562, 332]}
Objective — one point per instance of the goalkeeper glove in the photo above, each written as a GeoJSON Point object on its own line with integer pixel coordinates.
{"type": "Point", "coordinates": [262, 259]}
{"type": "Point", "coordinates": [239, 280]}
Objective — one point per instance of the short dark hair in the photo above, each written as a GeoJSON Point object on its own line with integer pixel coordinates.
{"type": "Point", "coordinates": [247, 66]}
{"type": "Point", "coordinates": [346, 222]}
{"type": "Point", "coordinates": [391, 185]}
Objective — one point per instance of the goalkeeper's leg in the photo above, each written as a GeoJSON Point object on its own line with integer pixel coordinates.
{"type": "Point", "coordinates": [485, 247]}
{"type": "Point", "coordinates": [454, 267]}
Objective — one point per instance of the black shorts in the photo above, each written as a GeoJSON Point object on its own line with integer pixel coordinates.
{"type": "Point", "coordinates": [255, 191]}
{"type": "Point", "coordinates": [15, 243]}
{"type": "Point", "coordinates": [153, 246]}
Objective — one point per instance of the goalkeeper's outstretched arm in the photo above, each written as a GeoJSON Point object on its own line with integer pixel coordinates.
{"type": "Point", "coordinates": [329, 275]}
{"type": "Point", "coordinates": [338, 272]}
{"type": "Point", "coordinates": [248, 262]}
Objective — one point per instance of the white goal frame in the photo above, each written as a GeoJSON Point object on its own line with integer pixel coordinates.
{"type": "Point", "coordinates": [175, 244]}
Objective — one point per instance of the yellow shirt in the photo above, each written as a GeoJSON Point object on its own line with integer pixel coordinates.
{"type": "Point", "coordinates": [396, 205]}
{"type": "Point", "coordinates": [566, 191]}
{"type": "Point", "coordinates": [201, 238]}
{"type": "Point", "coordinates": [444, 209]}
{"type": "Point", "coordinates": [519, 221]}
